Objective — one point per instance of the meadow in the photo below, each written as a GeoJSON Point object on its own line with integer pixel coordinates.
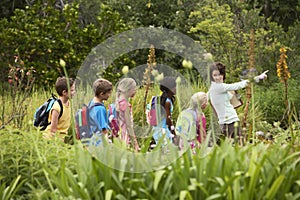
{"type": "Point", "coordinates": [35, 168]}
{"type": "Point", "coordinates": [41, 40]}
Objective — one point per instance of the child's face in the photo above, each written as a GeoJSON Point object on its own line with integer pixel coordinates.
{"type": "Point", "coordinates": [174, 90]}
{"type": "Point", "coordinates": [204, 104]}
{"type": "Point", "coordinates": [132, 92]}
{"type": "Point", "coordinates": [70, 95]}
{"type": "Point", "coordinates": [106, 95]}
{"type": "Point", "coordinates": [72, 90]}
{"type": "Point", "coordinates": [217, 76]}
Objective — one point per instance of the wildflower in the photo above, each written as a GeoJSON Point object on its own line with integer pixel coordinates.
{"type": "Point", "coordinates": [159, 77]}
{"type": "Point", "coordinates": [236, 124]}
{"type": "Point", "coordinates": [154, 73]}
{"type": "Point", "coordinates": [125, 69]}
{"type": "Point", "coordinates": [62, 63]}
{"type": "Point", "coordinates": [187, 64]}
{"type": "Point", "coordinates": [178, 80]}
{"type": "Point", "coordinates": [282, 68]}
{"type": "Point", "coordinates": [276, 124]}
{"type": "Point", "coordinates": [208, 56]}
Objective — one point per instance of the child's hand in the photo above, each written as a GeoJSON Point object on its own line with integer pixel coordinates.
{"type": "Point", "coordinates": [262, 76]}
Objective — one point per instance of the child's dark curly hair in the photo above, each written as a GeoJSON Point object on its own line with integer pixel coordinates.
{"type": "Point", "coordinates": [167, 85]}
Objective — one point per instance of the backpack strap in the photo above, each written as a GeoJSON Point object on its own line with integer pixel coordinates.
{"type": "Point", "coordinates": [90, 107]}
{"type": "Point", "coordinates": [61, 107]}
{"type": "Point", "coordinates": [110, 109]}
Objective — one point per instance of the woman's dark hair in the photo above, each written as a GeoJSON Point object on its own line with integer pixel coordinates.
{"type": "Point", "coordinates": [220, 67]}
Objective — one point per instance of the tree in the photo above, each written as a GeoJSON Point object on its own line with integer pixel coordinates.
{"type": "Point", "coordinates": [42, 35]}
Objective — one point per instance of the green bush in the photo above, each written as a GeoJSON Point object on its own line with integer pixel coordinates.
{"type": "Point", "coordinates": [271, 102]}
{"type": "Point", "coordinates": [41, 35]}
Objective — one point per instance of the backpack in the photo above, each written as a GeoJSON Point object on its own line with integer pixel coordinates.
{"type": "Point", "coordinates": [187, 124]}
{"type": "Point", "coordinates": [152, 113]}
{"type": "Point", "coordinates": [83, 121]}
{"type": "Point", "coordinates": [112, 120]}
{"type": "Point", "coordinates": [41, 114]}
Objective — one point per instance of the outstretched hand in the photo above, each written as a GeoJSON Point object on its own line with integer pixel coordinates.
{"type": "Point", "coordinates": [262, 76]}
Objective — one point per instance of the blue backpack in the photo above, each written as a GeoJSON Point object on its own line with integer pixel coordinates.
{"type": "Point", "coordinates": [41, 114]}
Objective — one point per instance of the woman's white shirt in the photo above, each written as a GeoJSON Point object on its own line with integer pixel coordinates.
{"type": "Point", "coordinates": [220, 96]}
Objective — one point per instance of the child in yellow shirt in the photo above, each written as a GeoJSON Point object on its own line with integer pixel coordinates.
{"type": "Point", "coordinates": [60, 125]}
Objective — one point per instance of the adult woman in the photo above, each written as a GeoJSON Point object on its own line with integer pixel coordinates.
{"type": "Point", "coordinates": [220, 97]}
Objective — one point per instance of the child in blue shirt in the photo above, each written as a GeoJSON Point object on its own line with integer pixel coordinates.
{"type": "Point", "coordinates": [98, 117]}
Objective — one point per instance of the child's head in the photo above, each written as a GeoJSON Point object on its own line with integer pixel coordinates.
{"type": "Point", "coordinates": [199, 100]}
{"type": "Point", "coordinates": [127, 87]}
{"type": "Point", "coordinates": [61, 86]}
{"type": "Point", "coordinates": [102, 87]}
{"type": "Point", "coordinates": [168, 85]}
{"type": "Point", "coordinates": [217, 66]}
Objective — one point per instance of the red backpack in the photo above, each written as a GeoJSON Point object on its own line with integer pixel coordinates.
{"type": "Point", "coordinates": [152, 112]}
{"type": "Point", "coordinates": [83, 121]}
{"type": "Point", "coordinates": [113, 120]}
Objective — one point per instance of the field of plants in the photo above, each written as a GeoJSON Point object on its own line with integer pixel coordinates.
{"type": "Point", "coordinates": [36, 168]}
{"type": "Point", "coordinates": [42, 40]}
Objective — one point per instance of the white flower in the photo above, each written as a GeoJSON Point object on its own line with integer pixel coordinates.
{"type": "Point", "coordinates": [62, 62]}
{"type": "Point", "coordinates": [178, 80]}
{"type": "Point", "coordinates": [125, 69]}
{"type": "Point", "coordinates": [187, 64]}
{"type": "Point", "coordinates": [208, 56]}
{"type": "Point", "coordinates": [159, 77]}
{"type": "Point", "coordinates": [154, 73]}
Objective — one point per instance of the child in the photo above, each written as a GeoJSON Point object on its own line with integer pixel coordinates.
{"type": "Point", "coordinates": [98, 117]}
{"type": "Point", "coordinates": [126, 89]}
{"type": "Point", "coordinates": [61, 125]}
{"type": "Point", "coordinates": [165, 124]}
{"type": "Point", "coordinates": [198, 131]}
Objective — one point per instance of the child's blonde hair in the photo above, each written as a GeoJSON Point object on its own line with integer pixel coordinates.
{"type": "Point", "coordinates": [197, 100]}
{"type": "Point", "coordinates": [125, 86]}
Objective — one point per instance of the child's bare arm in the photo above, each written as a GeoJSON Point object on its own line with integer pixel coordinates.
{"type": "Point", "coordinates": [54, 121]}
{"type": "Point", "coordinates": [169, 117]}
{"type": "Point", "coordinates": [130, 131]}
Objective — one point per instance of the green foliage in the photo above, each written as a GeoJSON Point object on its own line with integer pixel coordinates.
{"type": "Point", "coordinates": [48, 169]}
{"type": "Point", "coordinates": [273, 105]}
{"type": "Point", "coordinates": [225, 31]}
{"type": "Point", "coordinates": [53, 170]}
{"type": "Point", "coordinates": [42, 35]}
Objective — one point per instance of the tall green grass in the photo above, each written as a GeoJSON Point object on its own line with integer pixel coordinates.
{"type": "Point", "coordinates": [34, 168]}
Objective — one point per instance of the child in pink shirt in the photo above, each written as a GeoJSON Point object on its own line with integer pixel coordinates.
{"type": "Point", "coordinates": [126, 89]}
